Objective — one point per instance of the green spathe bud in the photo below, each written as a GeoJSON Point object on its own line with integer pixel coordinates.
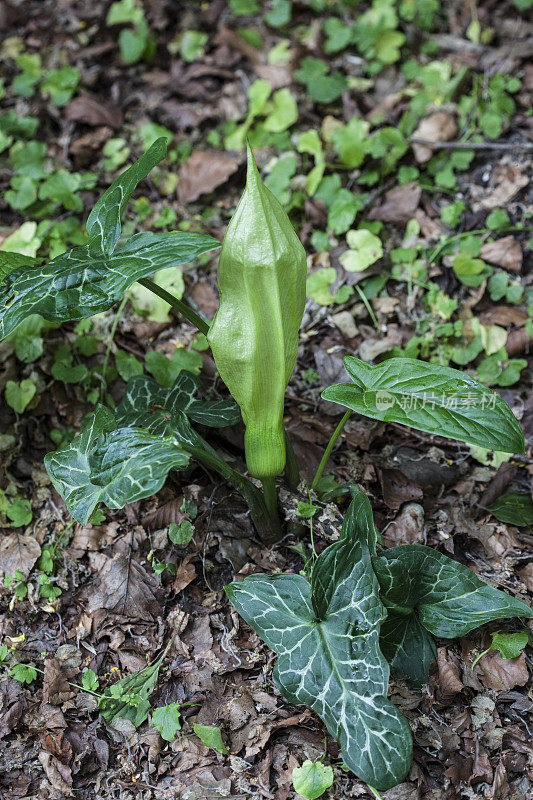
{"type": "Point", "coordinates": [254, 336]}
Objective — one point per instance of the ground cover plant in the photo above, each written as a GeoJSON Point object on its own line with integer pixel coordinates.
{"type": "Point", "coordinates": [355, 613]}
{"type": "Point", "coordinates": [265, 509]}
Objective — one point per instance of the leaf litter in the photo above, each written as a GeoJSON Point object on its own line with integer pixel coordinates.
{"type": "Point", "coordinates": [470, 726]}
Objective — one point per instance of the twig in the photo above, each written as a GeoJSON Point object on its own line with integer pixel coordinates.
{"type": "Point", "coordinates": [527, 146]}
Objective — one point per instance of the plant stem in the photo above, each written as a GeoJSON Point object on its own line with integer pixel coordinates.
{"type": "Point", "coordinates": [292, 471]}
{"type": "Point", "coordinates": [179, 305]}
{"type": "Point", "coordinates": [267, 525]}
{"type": "Point", "coordinates": [375, 792]}
{"type": "Point", "coordinates": [331, 444]}
{"type": "Point", "coordinates": [368, 307]}
{"type": "Point", "coordinates": [271, 497]}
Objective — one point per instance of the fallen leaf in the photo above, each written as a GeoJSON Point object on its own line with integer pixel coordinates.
{"type": "Point", "coordinates": [56, 687]}
{"type": "Point", "coordinates": [449, 681]}
{"type": "Point", "coordinates": [400, 204]}
{"type": "Point", "coordinates": [503, 674]}
{"type": "Point", "coordinates": [509, 180]}
{"type": "Point", "coordinates": [438, 127]}
{"type": "Point", "coordinates": [89, 110]}
{"type": "Point", "coordinates": [506, 253]}
{"type": "Point", "coordinates": [526, 576]}
{"type": "Point", "coordinates": [18, 552]}
{"type": "Point", "coordinates": [407, 528]}
{"type": "Point", "coordinates": [504, 316]}
{"type": "Point", "coordinates": [202, 172]}
{"type": "Point", "coordinates": [124, 587]}
{"type": "Point", "coordinates": [397, 488]}
{"type": "Point", "coordinates": [185, 574]}
{"type": "Point", "coordinates": [57, 773]}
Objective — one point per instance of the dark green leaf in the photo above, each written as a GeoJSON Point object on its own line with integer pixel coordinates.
{"type": "Point", "coordinates": [146, 404]}
{"type": "Point", "coordinates": [407, 646]}
{"type": "Point", "coordinates": [429, 397]}
{"type": "Point", "coordinates": [111, 466]}
{"type": "Point", "coordinates": [11, 261]}
{"type": "Point", "coordinates": [515, 508]}
{"type": "Point", "coordinates": [103, 223]}
{"type": "Point", "coordinates": [81, 283]}
{"type": "Point", "coordinates": [449, 598]}
{"type": "Point", "coordinates": [326, 634]}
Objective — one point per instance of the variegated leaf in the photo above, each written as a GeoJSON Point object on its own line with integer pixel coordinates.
{"type": "Point", "coordinates": [326, 635]}
{"type": "Point", "coordinates": [79, 283]}
{"type": "Point", "coordinates": [147, 404]}
{"type": "Point", "coordinates": [423, 591]}
{"type": "Point", "coordinates": [112, 466]}
{"type": "Point", "coordinates": [103, 224]}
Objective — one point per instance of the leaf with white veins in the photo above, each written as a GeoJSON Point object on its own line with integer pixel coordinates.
{"type": "Point", "coordinates": [326, 635]}
{"type": "Point", "coordinates": [111, 466]}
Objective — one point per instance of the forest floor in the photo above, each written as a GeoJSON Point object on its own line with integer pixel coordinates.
{"type": "Point", "coordinates": [407, 120]}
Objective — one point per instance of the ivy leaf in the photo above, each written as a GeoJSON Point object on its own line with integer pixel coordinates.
{"type": "Point", "coordinates": [91, 278]}
{"type": "Point", "coordinates": [326, 635]}
{"type": "Point", "coordinates": [514, 508]}
{"type": "Point", "coordinates": [424, 589]}
{"type": "Point", "coordinates": [312, 779]}
{"type": "Point", "coordinates": [112, 466]}
{"type": "Point", "coordinates": [211, 736]}
{"type": "Point", "coordinates": [148, 405]}
{"type": "Point", "coordinates": [429, 397]}
{"type": "Point", "coordinates": [510, 645]}
{"type": "Point", "coordinates": [167, 720]}
{"type": "Point", "coordinates": [19, 395]}
{"type": "Point", "coordinates": [365, 249]}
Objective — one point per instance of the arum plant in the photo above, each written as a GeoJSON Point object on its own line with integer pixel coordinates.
{"type": "Point", "coordinates": [359, 613]}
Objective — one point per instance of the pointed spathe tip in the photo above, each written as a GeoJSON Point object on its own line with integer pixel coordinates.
{"type": "Point", "coordinates": [252, 173]}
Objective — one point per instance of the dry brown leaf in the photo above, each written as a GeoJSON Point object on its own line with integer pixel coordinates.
{"type": "Point", "coordinates": [407, 528]}
{"type": "Point", "coordinates": [400, 204]}
{"type": "Point", "coordinates": [56, 687]}
{"type": "Point", "coordinates": [202, 172]}
{"type": "Point", "coordinates": [18, 552]}
{"type": "Point", "coordinates": [509, 180]}
{"type": "Point", "coordinates": [504, 316]}
{"type": "Point", "coordinates": [526, 576]}
{"type": "Point", "coordinates": [438, 127]}
{"type": "Point", "coordinates": [57, 773]}
{"type": "Point", "coordinates": [185, 574]}
{"type": "Point", "coordinates": [397, 488]}
{"type": "Point", "coordinates": [90, 111]}
{"type": "Point", "coordinates": [449, 681]}
{"type": "Point", "coordinates": [505, 253]}
{"type": "Point", "coordinates": [503, 674]}
{"type": "Point", "coordinates": [125, 587]}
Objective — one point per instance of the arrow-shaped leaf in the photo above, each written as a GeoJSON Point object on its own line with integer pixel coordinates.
{"type": "Point", "coordinates": [429, 397]}
{"type": "Point", "coordinates": [423, 591]}
{"type": "Point", "coordinates": [103, 223]}
{"type": "Point", "coordinates": [78, 284]}
{"type": "Point", "coordinates": [112, 466]}
{"type": "Point", "coordinates": [326, 635]}
{"type": "Point", "coordinates": [147, 404]}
